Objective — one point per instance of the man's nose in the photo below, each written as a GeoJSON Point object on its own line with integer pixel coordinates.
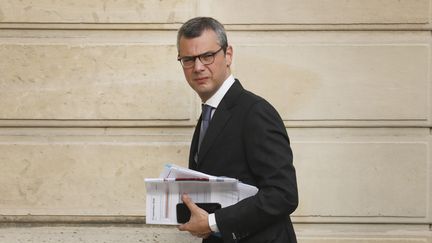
{"type": "Point", "coordinates": [198, 66]}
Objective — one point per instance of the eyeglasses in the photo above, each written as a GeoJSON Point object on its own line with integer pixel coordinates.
{"type": "Point", "coordinates": [205, 58]}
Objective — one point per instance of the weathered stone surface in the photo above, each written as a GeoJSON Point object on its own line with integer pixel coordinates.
{"type": "Point", "coordinates": [313, 12]}
{"type": "Point", "coordinates": [95, 234]}
{"type": "Point", "coordinates": [362, 175]}
{"type": "Point", "coordinates": [89, 175]}
{"type": "Point", "coordinates": [311, 78]}
{"type": "Point", "coordinates": [98, 11]}
{"type": "Point", "coordinates": [369, 178]}
{"type": "Point", "coordinates": [306, 233]}
{"type": "Point", "coordinates": [92, 81]}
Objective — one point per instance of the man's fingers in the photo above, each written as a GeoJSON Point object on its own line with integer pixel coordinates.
{"type": "Point", "coordinates": [183, 227]}
{"type": "Point", "coordinates": [198, 222]}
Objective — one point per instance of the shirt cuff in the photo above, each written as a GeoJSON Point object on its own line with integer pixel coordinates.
{"type": "Point", "coordinates": [212, 223]}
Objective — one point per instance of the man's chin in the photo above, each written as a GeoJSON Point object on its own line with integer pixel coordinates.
{"type": "Point", "coordinates": [204, 94]}
{"type": "Point", "coordinates": [201, 89]}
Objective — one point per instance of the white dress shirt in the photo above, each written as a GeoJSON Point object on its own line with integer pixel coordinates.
{"type": "Point", "coordinates": [214, 102]}
{"type": "Point", "coordinates": [220, 93]}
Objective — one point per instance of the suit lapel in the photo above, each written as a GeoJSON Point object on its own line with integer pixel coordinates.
{"type": "Point", "coordinates": [220, 119]}
{"type": "Point", "coordinates": [194, 145]}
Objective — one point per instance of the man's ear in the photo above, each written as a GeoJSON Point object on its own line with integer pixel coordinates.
{"type": "Point", "coordinates": [229, 55]}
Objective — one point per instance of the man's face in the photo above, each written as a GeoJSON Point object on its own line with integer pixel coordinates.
{"type": "Point", "coordinates": [205, 79]}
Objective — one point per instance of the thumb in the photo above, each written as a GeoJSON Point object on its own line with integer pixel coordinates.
{"type": "Point", "coordinates": [189, 203]}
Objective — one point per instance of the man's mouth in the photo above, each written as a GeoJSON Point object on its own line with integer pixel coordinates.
{"type": "Point", "coordinates": [201, 79]}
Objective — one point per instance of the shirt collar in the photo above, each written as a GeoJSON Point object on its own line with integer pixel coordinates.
{"type": "Point", "coordinates": [220, 93]}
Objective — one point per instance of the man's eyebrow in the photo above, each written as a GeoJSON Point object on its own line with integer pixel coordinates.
{"type": "Point", "coordinates": [187, 57]}
{"type": "Point", "coordinates": [205, 53]}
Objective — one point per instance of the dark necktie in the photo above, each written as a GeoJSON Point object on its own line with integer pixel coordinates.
{"type": "Point", "coordinates": [205, 121]}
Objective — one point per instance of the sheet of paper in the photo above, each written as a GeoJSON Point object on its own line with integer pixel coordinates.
{"type": "Point", "coordinates": [163, 196]}
{"type": "Point", "coordinates": [175, 171]}
{"type": "Point", "coordinates": [164, 193]}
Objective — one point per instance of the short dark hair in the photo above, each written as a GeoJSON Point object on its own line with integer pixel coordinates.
{"type": "Point", "coordinates": [195, 27]}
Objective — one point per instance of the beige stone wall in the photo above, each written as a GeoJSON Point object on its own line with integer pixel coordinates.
{"type": "Point", "coordinates": [93, 101]}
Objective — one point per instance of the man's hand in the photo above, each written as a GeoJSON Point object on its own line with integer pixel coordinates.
{"type": "Point", "coordinates": [198, 222]}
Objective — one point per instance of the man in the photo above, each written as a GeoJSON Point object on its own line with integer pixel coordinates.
{"type": "Point", "coordinates": [239, 135]}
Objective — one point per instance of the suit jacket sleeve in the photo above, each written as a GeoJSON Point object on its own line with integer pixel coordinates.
{"type": "Point", "coordinates": [269, 158]}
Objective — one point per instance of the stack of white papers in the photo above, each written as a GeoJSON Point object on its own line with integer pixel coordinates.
{"type": "Point", "coordinates": [164, 193]}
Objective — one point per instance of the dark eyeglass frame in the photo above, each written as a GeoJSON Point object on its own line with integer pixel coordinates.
{"type": "Point", "coordinates": [201, 57]}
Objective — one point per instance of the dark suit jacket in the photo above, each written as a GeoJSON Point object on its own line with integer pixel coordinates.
{"type": "Point", "coordinates": [247, 140]}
